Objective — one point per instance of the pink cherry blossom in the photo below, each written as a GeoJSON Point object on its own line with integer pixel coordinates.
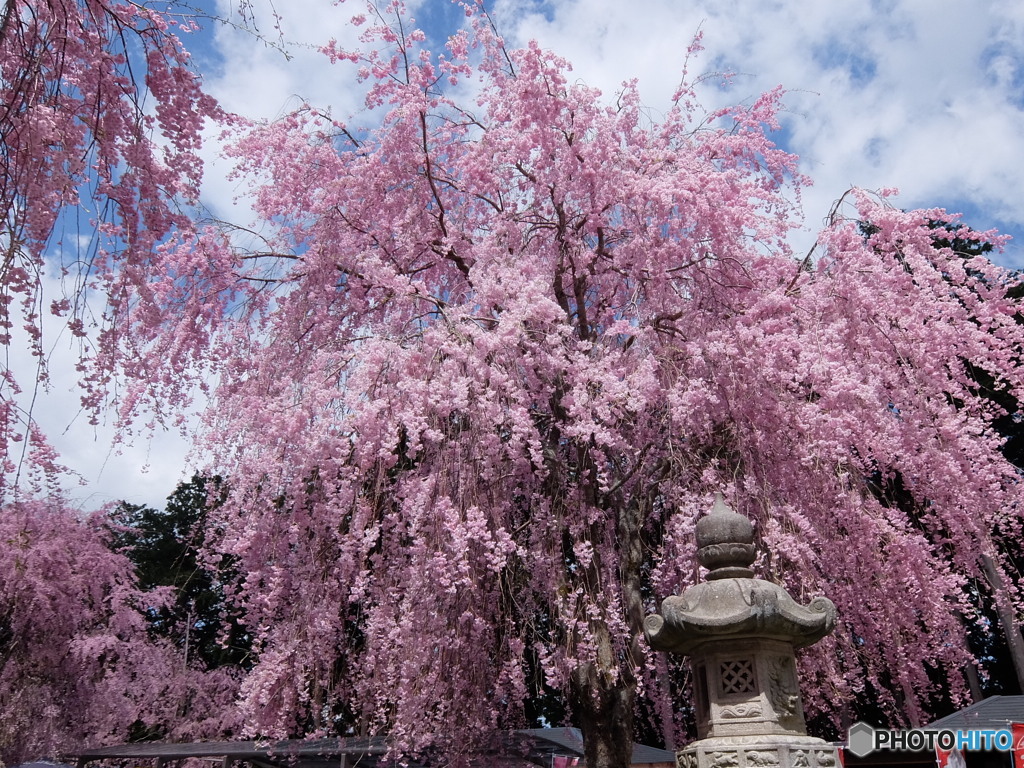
{"type": "Point", "coordinates": [499, 350]}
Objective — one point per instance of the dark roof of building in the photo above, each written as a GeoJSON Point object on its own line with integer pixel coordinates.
{"type": "Point", "coordinates": [995, 712]}
{"type": "Point", "coordinates": [528, 746]}
{"type": "Point", "coordinates": [570, 741]}
{"type": "Point", "coordinates": [268, 754]}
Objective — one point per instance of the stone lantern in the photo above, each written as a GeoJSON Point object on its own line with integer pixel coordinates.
{"type": "Point", "coordinates": [740, 633]}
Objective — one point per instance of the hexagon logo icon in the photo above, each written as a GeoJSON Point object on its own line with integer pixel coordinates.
{"type": "Point", "coordinates": [861, 739]}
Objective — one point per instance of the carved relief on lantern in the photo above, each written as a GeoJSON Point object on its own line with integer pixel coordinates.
{"type": "Point", "coordinates": [783, 689]}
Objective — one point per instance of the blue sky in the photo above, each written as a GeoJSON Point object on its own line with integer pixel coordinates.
{"type": "Point", "coordinates": [923, 95]}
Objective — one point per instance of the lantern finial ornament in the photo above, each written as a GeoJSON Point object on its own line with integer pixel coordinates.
{"type": "Point", "coordinates": [725, 542]}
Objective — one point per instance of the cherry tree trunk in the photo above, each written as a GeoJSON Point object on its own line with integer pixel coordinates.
{"type": "Point", "coordinates": [1007, 620]}
{"type": "Point", "coordinates": [604, 711]}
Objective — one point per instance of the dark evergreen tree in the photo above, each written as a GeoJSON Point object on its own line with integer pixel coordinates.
{"type": "Point", "coordinates": [167, 549]}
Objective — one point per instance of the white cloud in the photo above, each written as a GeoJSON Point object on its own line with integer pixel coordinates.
{"type": "Point", "coordinates": [266, 78]}
{"type": "Point", "coordinates": [144, 470]}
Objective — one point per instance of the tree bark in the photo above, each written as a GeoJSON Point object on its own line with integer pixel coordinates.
{"type": "Point", "coordinates": [604, 711]}
{"type": "Point", "coordinates": [1004, 609]}
{"type": "Point", "coordinates": [973, 682]}
{"type": "Point", "coordinates": [603, 693]}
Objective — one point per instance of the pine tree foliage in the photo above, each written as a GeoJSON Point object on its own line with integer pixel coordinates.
{"type": "Point", "coordinates": [167, 549]}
